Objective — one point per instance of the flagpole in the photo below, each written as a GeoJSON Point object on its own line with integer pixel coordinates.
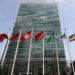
{"type": "Point", "coordinates": [69, 51]}
{"type": "Point", "coordinates": [43, 56]}
{"type": "Point", "coordinates": [57, 57]}
{"type": "Point", "coordinates": [4, 48]}
{"type": "Point", "coordinates": [29, 54]}
{"type": "Point", "coordinates": [16, 53]}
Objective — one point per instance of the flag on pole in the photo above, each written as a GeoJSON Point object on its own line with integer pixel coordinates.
{"type": "Point", "coordinates": [3, 36]}
{"type": "Point", "coordinates": [62, 37]}
{"type": "Point", "coordinates": [72, 37]}
{"type": "Point", "coordinates": [14, 37]}
{"type": "Point", "coordinates": [39, 36]}
{"type": "Point", "coordinates": [26, 36]}
{"type": "Point", "coordinates": [51, 38]}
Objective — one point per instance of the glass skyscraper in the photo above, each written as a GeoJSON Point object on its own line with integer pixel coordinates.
{"type": "Point", "coordinates": [37, 17]}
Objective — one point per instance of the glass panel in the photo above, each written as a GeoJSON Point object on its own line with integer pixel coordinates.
{"type": "Point", "coordinates": [37, 17]}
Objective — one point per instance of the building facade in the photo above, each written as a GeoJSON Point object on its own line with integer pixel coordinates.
{"type": "Point", "coordinates": [37, 17]}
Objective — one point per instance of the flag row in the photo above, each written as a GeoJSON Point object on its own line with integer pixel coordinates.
{"type": "Point", "coordinates": [38, 36]}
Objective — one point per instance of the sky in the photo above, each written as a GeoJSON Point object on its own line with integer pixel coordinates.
{"type": "Point", "coordinates": [9, 9]}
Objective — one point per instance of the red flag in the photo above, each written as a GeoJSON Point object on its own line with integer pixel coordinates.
{"type": "Point", "coordinates": [53, 35]}
{"type": "Point", "coordinates": [26, 36]}
{"type": "Point", "coordinates": [39, 36]}
{"type": "Point", "coordinates": [14, 37]}
{"type": "Point", "coordinates": [3, 36]}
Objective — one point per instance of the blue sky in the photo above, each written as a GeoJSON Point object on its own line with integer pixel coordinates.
{"type": "Point", "coordinates": [9, 9]}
